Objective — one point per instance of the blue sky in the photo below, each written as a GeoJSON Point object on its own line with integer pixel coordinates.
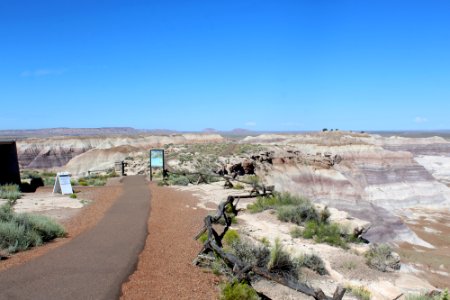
{"type": "Point", "coordinates": [260, 65]}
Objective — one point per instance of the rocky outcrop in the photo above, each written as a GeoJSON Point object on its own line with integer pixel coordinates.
{"type": "Point", "coordinates": [371, 177]}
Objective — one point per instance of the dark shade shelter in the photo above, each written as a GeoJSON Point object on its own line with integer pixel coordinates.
{"type": "Point", "coordinates": [9, 164]}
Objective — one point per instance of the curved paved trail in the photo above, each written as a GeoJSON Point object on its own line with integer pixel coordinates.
{"type": "Point", "coordinates": [96, 263]}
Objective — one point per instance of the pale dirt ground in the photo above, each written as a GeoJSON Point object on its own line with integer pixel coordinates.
{"type": "Point", "coordinates": [344, 266]}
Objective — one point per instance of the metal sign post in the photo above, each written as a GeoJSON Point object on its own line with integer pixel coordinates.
{"type": "Point", "coordinates": [156, 161]}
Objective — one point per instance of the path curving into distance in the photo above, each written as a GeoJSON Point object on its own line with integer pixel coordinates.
{"type": "Point", "coordinates": [94, 264]}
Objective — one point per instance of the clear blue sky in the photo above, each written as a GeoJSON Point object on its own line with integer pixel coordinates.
{"type": "Point", "coordinates": [261, 65]}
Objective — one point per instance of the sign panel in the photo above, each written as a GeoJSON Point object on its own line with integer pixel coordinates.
{"type": "Point", "coordinates": [157, 158]}
{"type": "Point", "coordinates": [62, 184]}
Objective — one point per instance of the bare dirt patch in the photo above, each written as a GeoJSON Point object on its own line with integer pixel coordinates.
{"type": "Point", "coordinates": [165, 269]}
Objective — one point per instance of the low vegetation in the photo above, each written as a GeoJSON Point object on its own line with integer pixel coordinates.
{"type": "Point", "coordinates": [381, 257]}
{"type": "Point", "coordinates": [230, 237]}
{"type": "Point", "coordinates": [48, 178]}
{"type": "Point", "coordinates": [360, 292]}
{"type": "Point", "coordinates": [312, 262]}
{"type": "Point", "coordinates": [280, 261]}
{"type": "Point", "coordinates": [327, 233]}
{"type": "Point", "coordinates": [444, 295]}
{"type": "Point", "coordinates": [302, 212]}
{"type": "Point", "coordinates": [10, 192]}
{"type": "Point", "coordinates": [238, 186]}
{"type": "Point", "coordinates": [238, 290]}
{"type": "Point", "coordinates": [19, 232]}
{"type": "Point", "coordinates": [250, 253]}
{"type": "Point", "coordinates": [94, 180]}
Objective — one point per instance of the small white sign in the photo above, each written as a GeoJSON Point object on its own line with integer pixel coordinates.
{"type": "Point", "coordinates": [62, 184]}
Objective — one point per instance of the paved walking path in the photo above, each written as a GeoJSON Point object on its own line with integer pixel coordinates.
{"type": "Point", "coordinates": [93, 265]}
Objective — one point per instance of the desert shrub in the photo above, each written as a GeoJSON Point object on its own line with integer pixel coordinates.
{"type": "Point", "coordinates": [11, 192]}
{"type": "Point", "coordinates": [349, 265]}
{"type": "Point", "coordinates": [276, 200]}
{"type": "Point", "coordinates": [203, 238]}
{"type": "Point", "coordinates": [324, 215]}
{"type": "Point", "coordinates": [238, 186]}
{"type": "Point", "coordinates": [95, 180]}
{"type": "Point", "coordinates": [280, 261]}
{"type": "Point", "coordinates": [313, 262]}
{"type": "Point", "coordinates": [6, 213]}
{"type": "Point", "coordinates": [237, 290]}
{"type": "Point", "coordinates": [421, 297]}
{"type": "Point", "coordinates": [230, 236]}
{"type": "Point", "coordinates": [253, 179]}
{"type": "Point", "coordinates": [296, 232]}
{"type": "Point", "coordinates": [359, 292]}
{"type": "Point", "coordinates": [444, 295]}
{"type": "Point", "coordinates": [73, 196]}
{"type": "Point", "coordinates": [297, 214]}
{"type": "Point", "coordinates": [178, 180]}
{"type": "Point", "coordinates": [324, 233]}
{"type": "Point", "coordinates": [382, 258]}
{"type": "Point", "coordinates": [44, 226]}
{"type": "Point", "coordinates": [250, 253]}
{"type": "Point", "coordinates": [18, 232]}
{"type": "Point", "coordinates": [265, 242]}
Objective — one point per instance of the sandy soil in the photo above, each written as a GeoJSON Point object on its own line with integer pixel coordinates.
{"type": "Point", "coordinates": [165, 269]}
{"type": "Point", "coordinates": [75, 220]}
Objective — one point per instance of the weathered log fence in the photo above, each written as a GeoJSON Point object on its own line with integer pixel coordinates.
{"type": "Point", "coordinates": [241, 270]}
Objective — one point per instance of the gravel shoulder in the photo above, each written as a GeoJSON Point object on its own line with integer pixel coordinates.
{"type": "Point", "coordinates": [165, 269]}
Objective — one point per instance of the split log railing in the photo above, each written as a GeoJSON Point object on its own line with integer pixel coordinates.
{"type": "Point", "coordinates": [241, 270]}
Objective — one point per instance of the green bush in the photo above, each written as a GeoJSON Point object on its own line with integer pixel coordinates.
{"type": "Point", "coordinates": [203, 238]}
{"type": "Point", "coordinates": [73, 196]}
{"type": "Point", "coordinates": [313, 262]}
{"type": "Point", "coordinates": [19, 232]}
{"type": "Point", "coordinates": [230, 236]}
{"type": "Point", "coordinates": [325, 233]}
{"type": "Point", "coordinates": [236, 290]}
{"type": "Point", "coordinates": [11, 192]}
{"type": "Point", "coordinates": [280, 261]}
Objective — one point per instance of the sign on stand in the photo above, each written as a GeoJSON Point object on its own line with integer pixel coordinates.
{"type": "Point", "coordinates": [156, 160]}
{"type": "Point", "coordinates": [62, 184]}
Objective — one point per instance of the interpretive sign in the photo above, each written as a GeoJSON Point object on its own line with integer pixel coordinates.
{"type": "Point", "coordinates": [62, 184]}
{"type": "Point", "coordinates": [156, 160]}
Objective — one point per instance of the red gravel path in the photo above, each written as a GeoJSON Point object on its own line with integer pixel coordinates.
{"type": "Point", "coordinates": [165, 269]}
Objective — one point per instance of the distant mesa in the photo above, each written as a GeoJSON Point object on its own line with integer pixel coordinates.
{"type": "Point", "coordinates": [240, 131]}
{"type": "Point", "coordinates": [210, 130]}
